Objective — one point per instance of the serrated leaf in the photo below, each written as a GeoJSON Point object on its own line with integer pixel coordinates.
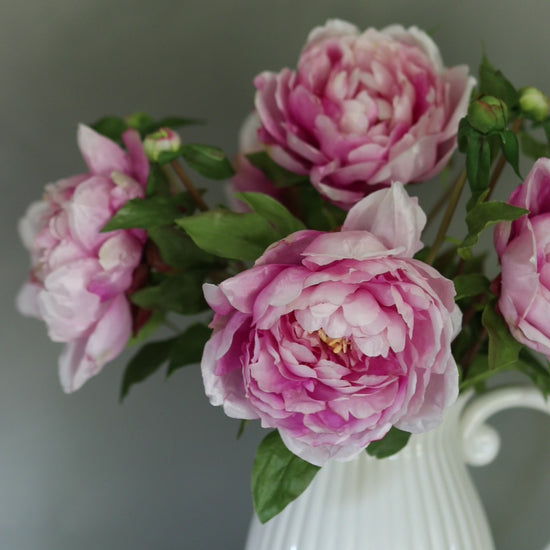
{"type": "Point", "coordinates": [145, 363]}
{"type": "Point", "coordinates": [181, 293]}
{"type": "Point", "coordinates": [484, 215]}
{"type": "Point", "coordinates": [188, 347]}
{"type": "Point", "coordinates": [208, 161]}
{"type": "Point", "coordinates": [275, 173]}
{"type": "Point", "coordinates": [112, 127]}
{"type": "Point", "coordinates": [533, 148]}
{"type": "Point", "coordinates": [503, 347]}
{"type": "Point", "coordinates": [390, 444]}
{"type": "Point", "coordinates": [470, 285]}
{"type": "Point", "coordinates": [493, 82]}
{"type": "Point", "coordinates": [229, 234]}
{"type": "Point", "coordinates": [278, 477]}
{"type": "Point", "coordinates": [510, 149]}
{"type": "Point", "coordinates": [273, 211]}
{"type": "Point", "coordinates": [147, 213]}
{"type": "Point", "coordinates": [177, 249]}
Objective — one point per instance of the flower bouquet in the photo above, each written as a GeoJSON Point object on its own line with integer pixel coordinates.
{"type": "Point", "coordinates": [331, 321]}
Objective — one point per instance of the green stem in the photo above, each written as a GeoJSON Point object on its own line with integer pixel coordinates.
{"type": "Point", "coordinates": [446, 222]}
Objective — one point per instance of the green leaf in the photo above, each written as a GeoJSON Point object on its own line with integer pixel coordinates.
{"type": "Point", "coordinates": [316, 212]}
{"type": "Point", "coordinates": [464, 131]}
{"type": "Point", "coordinates": [141, 122]}
{"type": "Point", "coordinates": [533, 148]}
{"type": "Point", "coordinates": [181, 293]}
{"type": "Point", "coordinates": [229, 234]}
{"type": "Point", "coordinates": [177, 249]}
{"type": "Point", "coordinates": [510, 149]}
{"type": "Point", "coordinates": [208, 161]}
{"type": "Point", "coordinates": [273, 211]}
{"type": "Point", "coordinates": [546, 127]}
{"type": "Point", "coordinates": [168, 156]}
{"type": "Point", "coordinates": [147, 213]}
{"type": "Point", "coordinates": [275, 173]}
{"type": "Point", "coordinates": [538, 373]}
{"type": "Point", "coordinates": [470, 285]}
{"type": "Point", "coordinates": [479, 372]}
{"type": "Point", "coordinates": [390, 444]}
{"type": "Point", "coordinates": [188, 347]}
{"type": "Point", "coordinates": [157, 183]}
{"type": "Point", "coordinates": [278, 477]}
{"type": "Point", "coordinates": [503, 347]}
{"type": "Point", "coordinates": [493, 82]}
{"type": "Point", "coordinates": [147, 329]}
{"type": "Point", "coordinates": [112, 127]}
{"type": "Point", "coordinates": [484, 215]}
{"type": "Point", "coordinates": [172, 122]}
{"type": "Point", "coordinates": [145, 363]}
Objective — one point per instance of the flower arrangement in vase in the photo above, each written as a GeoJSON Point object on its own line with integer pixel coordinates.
{"type": "Point", "coordinates": [332, 323]}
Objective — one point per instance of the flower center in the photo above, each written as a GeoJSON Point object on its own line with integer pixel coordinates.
{"type": "Point", "coordinates": [336, 344]}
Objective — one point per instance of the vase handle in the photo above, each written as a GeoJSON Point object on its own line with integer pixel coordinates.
{"type": "Point", "coordinates": [481, 442]}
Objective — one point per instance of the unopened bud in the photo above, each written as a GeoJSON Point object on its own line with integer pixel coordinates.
{"type": "Point", "coordinates": [488, 113]}
{"type": "Point", "coordinates": [534, 104]}
{"type": "Point", "coordinates": [161, 141]}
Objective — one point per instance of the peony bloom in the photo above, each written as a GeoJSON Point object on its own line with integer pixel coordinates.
{"type": "Point", "coordinates": [79, 275]}
{"type": "Point", "coordinates": [523, 247]}
{"type": "Point", "coordinates": [363, 110]}
{"type": "Point", "coordinates": [333, 338]}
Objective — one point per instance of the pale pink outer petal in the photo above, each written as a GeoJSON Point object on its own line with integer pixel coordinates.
{"type": "Point", "coordinates": [392, 216]}
{"type": "Point", "coordinates": [333, 28]}
{"type": "Point", "coordinates": [33, 221]}
{"type": "Point", "coordinates": [26, 301]}
{"type": "Point", "coordinates": [248, 134]}
{"type": "Point", "coordinates": [86, 356]}
{"type": "Point", "coordinates": [102, 155]}
{"type": "Point", "coordinates": [139, 160]}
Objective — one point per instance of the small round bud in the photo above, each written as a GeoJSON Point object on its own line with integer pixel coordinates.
{"type": "Point", "coordinates": [164, 139]}
{"type": "Point", "coordinates": [534, 104]}
{"type": "Point", "coordinates": [488, 113]}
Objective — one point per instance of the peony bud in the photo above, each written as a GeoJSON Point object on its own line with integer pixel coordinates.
{"type": "Point", "coordinates": [488, 113]}
{"type": "Point", "coordinates": [534, 104]}
{"type": "Point", "coordinates": [163, 140]}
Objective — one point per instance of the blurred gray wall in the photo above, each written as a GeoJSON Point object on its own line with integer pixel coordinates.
{"type": "Point", "coordinates": [164, 471]}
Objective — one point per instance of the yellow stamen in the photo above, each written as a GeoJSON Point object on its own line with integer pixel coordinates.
{"type": "Point", "coordinates": [336, 344]}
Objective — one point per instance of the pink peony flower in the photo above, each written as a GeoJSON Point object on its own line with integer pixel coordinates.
{"type": "Point", "coordinates": [523, 247]}
{"type": "Point", "coordinates": [363, 110]}
{"type": "Point", "coordinates": [79, 275]}
{"type": "Point", "coordinates": [333, 338]}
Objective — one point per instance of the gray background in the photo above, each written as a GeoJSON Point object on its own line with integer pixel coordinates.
{"type": "Point", "coordinates": [164, 470]}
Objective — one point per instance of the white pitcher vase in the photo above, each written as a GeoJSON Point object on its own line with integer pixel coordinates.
{"type": "Point", "coordinates": [422, 498]}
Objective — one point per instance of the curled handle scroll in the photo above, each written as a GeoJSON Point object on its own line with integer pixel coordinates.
{"type": "Point", "coordinates": [481, 442]}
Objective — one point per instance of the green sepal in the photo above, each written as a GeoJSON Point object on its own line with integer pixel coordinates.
{"type": "Point", "coordinates": [273, 211]}
{"type": "Point", "coordinates": [278, 477]}
{"type": "Point", "coordinates": [145, 362]}
{"type": "Point", "coordinates": [275, 173]}
{"type": "Point", "coordinates": [470, 285]}
{"type": "Point", "coordinates": [484, 215]}
{"type": "Point", "coordinates": [493, 82]}
{"type": "Point", "coordinates": [478, 161]}
{"type": "Point", "coordinates": [208, 161]}
{"type": "Point", "coordinates": [510, 149]}
{"type": "Point", "coordinates": [242, 426]}
{"type": "Point", "coordinates": [149, 212]}
{"type": "Point", "coordinates": [188, 347]}
{"type": "Point", "coordinates": [181, 292]}
{"type": "Point", "coordinates": [391, 443]}
{"type": "Point", "coordinates": [111, 127]}
{"type": "Point", "coordinates": [229, 234]}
